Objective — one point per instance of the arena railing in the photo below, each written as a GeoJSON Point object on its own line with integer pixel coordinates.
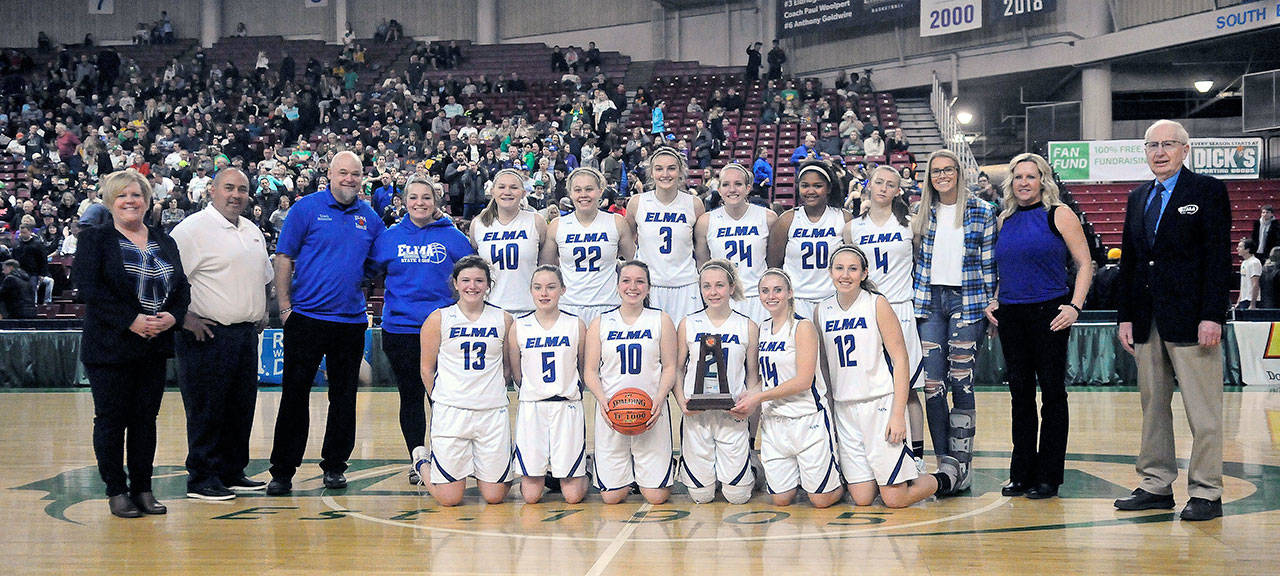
{"type": "Point", "coordinates": [952, 135]}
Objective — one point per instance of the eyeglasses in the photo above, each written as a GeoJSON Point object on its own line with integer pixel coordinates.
{"type": "Point", "coordinates": [1166, 145]}
{"type": "Point", "coordinates": [948, 171]}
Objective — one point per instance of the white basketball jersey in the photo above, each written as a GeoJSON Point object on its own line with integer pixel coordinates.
{"type": "Point", "coordinates": [809, 248]}
{"type": "Point", "coordinates": [548, 358]}
{"type": "Point", "coordinates": [629, 353]}
{"type": "Point", "coordinates": [589, 260]}
{"type": "Point", "coordinates": [734, 338]}
{"type": "Point", "coordinates": [856, 358]}
{"type": "Point", "coordinates": [513, 251]}
{"type": "Point", "coordinates": [743, 242]}
{"type": "Point", "coordinates": [469, 367]}
{"type": "Point", "coordinates": [889, 250]}
{"type": "Point", "coordinates": [664, 238]}
{"type": "Point", "coordinates": [778, 365]}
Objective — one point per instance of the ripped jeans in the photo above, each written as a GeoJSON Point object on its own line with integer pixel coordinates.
{"type": "Point", "coordinates": [949, 349]}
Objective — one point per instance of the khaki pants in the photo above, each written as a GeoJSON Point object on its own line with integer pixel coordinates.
{"type": "Point", "coordinates": [1199, 373]}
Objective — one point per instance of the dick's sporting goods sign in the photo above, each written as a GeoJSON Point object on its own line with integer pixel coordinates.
{"type": "Point", "coordinates": [1126, 161]}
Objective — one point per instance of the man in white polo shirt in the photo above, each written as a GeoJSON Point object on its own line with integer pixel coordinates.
{"type": "Point", "coordinates": [225, 258]}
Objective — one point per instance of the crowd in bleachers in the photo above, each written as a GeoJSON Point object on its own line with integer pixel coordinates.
{"type": "Point", "coordinates": [83, 113]}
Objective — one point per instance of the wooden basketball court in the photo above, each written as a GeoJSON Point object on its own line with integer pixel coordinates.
{"type": "Point", "coordinates": [56, 518]}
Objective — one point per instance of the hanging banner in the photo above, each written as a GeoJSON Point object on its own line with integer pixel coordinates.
{"type": "Point", "coordinates": [1126, 160]}
{"type": "Point", "coordinates": [102, 6]}
{"type": "Point", "coordinates": [938, 17]}
{"type": "Point", "coordinates": [801, 16]}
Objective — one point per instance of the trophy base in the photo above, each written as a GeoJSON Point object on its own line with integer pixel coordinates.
{"type": "Point", "coordinates": [710, 402]}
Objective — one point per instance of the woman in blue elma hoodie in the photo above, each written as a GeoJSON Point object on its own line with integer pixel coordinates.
{"type": "Point", "coordinates": [417, 256]}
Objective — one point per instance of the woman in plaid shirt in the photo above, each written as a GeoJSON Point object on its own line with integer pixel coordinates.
{"type": "Point", "coordinates": [954, 280]}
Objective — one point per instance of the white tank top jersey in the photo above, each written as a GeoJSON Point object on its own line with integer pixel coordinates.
{"type": "Point", "coordinates": [856, 357]}
{"type": "Point", "coordinates": [629, 353]}
{"type": "Point", "coordinates": [809, 248]}
{"type": "Point", "coordinates": [664, 238]}
{"type": "Point", "coordinates": [469, 366]}
{"type": "Point", "coordinates": [743, 242]}
{"type": "Point", "coordinates": [549, 358]}
{"type": "Point", "coordinates": [734, 338]}
{"type": "Point", "coordinates": [890, 252]}
{"type": "Point", "coordinates": [778, 365]}
{"type": "Point", "coordinates": [513, 251]}
{"type": "Point", "coordinates": [589, 260]}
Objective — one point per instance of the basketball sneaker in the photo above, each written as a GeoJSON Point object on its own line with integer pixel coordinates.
{"type": "Point", "coordinates": [421, 467]}
{"type": "Point", "coordinates": [920, 465]}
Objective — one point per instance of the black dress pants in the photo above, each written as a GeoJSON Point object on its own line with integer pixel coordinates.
{"type": "Point", "coordinates": [219, 382]}
{"type": "Point", "coordinates": [306, 342]}
{"type": "Point", "coordinates": [126, 399]}
{"type": "Point", "coordinates": [1035, 355]}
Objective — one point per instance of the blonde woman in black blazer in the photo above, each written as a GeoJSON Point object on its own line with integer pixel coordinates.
{"type": "Point", "coordinates": [135, 295]}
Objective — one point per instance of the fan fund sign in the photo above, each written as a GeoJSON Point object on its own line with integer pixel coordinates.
{"type": "Point", "coordinates": [1126, 161]}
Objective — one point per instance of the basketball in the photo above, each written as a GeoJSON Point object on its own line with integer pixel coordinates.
{"type": "Point", "coordinates": [628, 411]}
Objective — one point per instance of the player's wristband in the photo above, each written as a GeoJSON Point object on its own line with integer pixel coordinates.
{"type": "Point", "coordinates": [1072, 304]}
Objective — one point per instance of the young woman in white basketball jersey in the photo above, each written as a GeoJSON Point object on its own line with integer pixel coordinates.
{"type": "Point", "coordinates": [663, 224]}
{"type": "Point", "coordinates": [586, 245]}
{"type": "Point", "coordinates": [632, 346]}
{"type": "Point", "coordinates": [883, 232]}
{"type": "Point", "coordinates": [465, 372]}
{"type": "Point", "coordinates": [737, 231]}
{"type": "Point", "coordinates": [545, 351]}
{"type": "Point", "coordinates": [797, 446]}
{"type": "Point", "coordinates": [803, 238]}
{"type": "Point", "coordinates": [715, 445]}
{"type": "Point", "coordinates": [510, 238]}
{"type": "Point", "coordinates": [860, 342]}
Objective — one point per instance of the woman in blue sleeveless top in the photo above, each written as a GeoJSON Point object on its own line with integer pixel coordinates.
{"type": "Point", "coordinates": [1036, 304]}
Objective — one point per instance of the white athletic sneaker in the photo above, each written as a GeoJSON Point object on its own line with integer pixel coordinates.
{"type": "Point", "coordinates": [920, 468]}
{"type": "Point", "coordinates": [421, 468]}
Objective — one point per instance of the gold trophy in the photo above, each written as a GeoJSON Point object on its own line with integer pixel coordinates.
{"type": "Point", "coordinates": [710, 367]}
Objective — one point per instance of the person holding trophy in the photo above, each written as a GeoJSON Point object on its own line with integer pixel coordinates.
{"type": "Point", "coordinates": [717, 347]}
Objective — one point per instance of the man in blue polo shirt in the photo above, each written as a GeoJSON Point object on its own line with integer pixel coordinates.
{"type": "Point", "coordinates": [319, 265]}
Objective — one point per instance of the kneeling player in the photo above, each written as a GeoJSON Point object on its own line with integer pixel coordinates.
{"type": "Point", "coordinates": [714, 444]}
{"type": "Point", "coordinates": [861, 343]}
{"type": "Point", "coordinates": [545, 360]}
{"type": "Point", "coordinates": [632, 346]}
{"type": "Point", "coordinates": [796, 446]}
{"type": "Point", "coordinates": [463, 370]}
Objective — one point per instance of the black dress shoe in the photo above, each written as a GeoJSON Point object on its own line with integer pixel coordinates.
{"type": "Point", "coordinates": [1143, 500]}
{"type": "Point", "coordinates": [278, 487]}
{"type": "Point", "coordinates": [1014, 489]}
{"type": "Point", "coordinates": [123, 506]}
{"type": "Point", "coordinates": [1199, 509]}
{"type": "Point", "coordinates": [335, 480]}
{"type": "Point", "coordinates": [148, 504]}
{"type": "Point", "coordinates": [1042, 491]}
{"type": "Point", "coordinates": [244, 484]}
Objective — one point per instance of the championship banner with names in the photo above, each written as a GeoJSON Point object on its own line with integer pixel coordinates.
{"type": "Point", "coordinates": [1126, 160]}
{"type": "Point", "coordinates": [1259, 344]}
{"type": "Point", "coordinates": [939, 17]}
{"type": "Point", "coordinates": [801, 16]}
